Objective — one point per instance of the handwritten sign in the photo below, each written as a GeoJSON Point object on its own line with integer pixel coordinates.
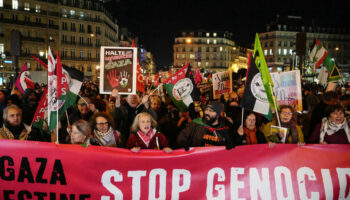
{"type": "Point", "coordinates": [118, 70]}
{"type": "Point", "coordinates": [222, 83]}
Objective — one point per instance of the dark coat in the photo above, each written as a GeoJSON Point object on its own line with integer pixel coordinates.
{"type": "Point", "coordinates": [193, 135]}
{"type": "Point", "coordinates": [260, 137]}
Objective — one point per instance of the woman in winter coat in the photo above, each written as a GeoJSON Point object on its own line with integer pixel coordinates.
{"type": "Point", "coordinates": [145, 136]}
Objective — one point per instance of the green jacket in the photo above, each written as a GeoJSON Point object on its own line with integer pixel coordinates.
{"type": "Point", "coordinates": [276, 139]}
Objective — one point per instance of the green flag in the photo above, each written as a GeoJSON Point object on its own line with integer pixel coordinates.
{"type": "Point", "coordinates": [265, 74]}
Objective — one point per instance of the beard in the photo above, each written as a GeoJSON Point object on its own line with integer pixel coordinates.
{"type": "Point", "coordinates": [209, 121]}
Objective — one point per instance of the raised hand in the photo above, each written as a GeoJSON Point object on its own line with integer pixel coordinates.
{"type": "Point", "coordinates": [124, 78]}
{"type": "Point", "coordinates": [113, 79]}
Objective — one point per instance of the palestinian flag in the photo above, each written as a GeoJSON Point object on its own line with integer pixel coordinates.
{"type": "Point", "coordinates": [318, 54]}
{"type": "Point", "coordinates": [254, 96]}
{"type": "Point", "coordinates": [24, 80]}
{"type": "Point", "coordinates": [74, 79]}
{"type": "Point", "coordinates": [334, 74]}
{"type": "Point", "coordinates": [182, 88]}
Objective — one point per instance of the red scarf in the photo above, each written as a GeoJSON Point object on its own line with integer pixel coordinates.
{"type": "Point", "coordinates": [146, 138]}
{"type": "Point", "coordinates": [251, 136]}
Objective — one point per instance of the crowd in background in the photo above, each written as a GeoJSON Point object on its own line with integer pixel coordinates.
{"type": "Point", "coordinates": [152, 121]}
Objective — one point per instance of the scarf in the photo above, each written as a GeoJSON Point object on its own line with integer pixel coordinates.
{"type": "Point", "coordinates": [251, 136]}
{"type": "Point", "coordinates": [15, 130]}
{"type": "Point", "coordinates": [210, 128]}
{"type": "Point", "coordinates": [292, 130]}
{"type": "Point", "coordinates": [329, 127]}
{"type": "Point", "coordinates": [146, 138]}
{"type": "Point", "coordinates": [105, 139]}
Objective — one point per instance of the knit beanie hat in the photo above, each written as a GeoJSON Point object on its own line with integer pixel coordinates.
{"type": "Point", "coordinates": [216, 106]}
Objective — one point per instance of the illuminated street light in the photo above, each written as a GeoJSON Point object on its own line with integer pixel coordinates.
{"type": "Point", "coordinates": [188, 40]}
{"type": "Point", "coordinates": [336, 48]}
{"type": "Point", "coordinates": [41, 53]}
{"type": "Point", "coordinates": [92, 35]}
{"type": "Point", "coordinates": [97, 66]}
{"type": "Point", "coordinates": [234, 67]}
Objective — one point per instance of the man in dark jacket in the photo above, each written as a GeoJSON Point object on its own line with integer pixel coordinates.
{"type": "Point", "coordinates": [211, 130]}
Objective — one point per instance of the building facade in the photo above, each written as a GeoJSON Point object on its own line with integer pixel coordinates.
{"type": "Point", "coordinates": [76, 29]}
{"type": "Point", "coordinates": [282, 48]}
{"type": "Point", "coordinates": [209, 50]}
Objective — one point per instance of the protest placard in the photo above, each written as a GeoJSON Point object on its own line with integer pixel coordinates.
{"type": "Point", "coordinates": [118, 70]}
{"type": "Point", "coordinates": [222, 83]}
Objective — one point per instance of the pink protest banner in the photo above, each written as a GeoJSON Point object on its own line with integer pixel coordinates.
{"type": "Point", "coordinates": [35, 170]}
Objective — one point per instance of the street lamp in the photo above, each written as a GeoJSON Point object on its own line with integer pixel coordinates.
{"type": "Point", "coordinates": [97, 66]}
{"type": "Point", "coordinates": [41, 53]}
{"type": "Point", "coordinates": [188, 40]}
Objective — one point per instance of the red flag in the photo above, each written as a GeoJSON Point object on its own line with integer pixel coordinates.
{"type": "Point", "coordinates": [156, 80]}
{"type": "Point", "coordinates": [178, 75]}
{"type": "Point", "coordinates": [41, 109]}
{"type": "Point", "coordinates": [140, 86]}
{"type": "Point", "coordinates": [197, 77]}
{"type": "Point", "coordinates": [62, 84]}
{"type": "Point", "coordinates": [40, 61]}
{"type": "Point", "coordinates": [169, 73]}
{"type": "Point", "coordinates": [24, 80]}
{"type": "Point", "coordinates": [133, 43]}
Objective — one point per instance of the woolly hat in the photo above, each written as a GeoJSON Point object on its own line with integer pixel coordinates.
{"type": "Point", "coordinates": [216, 106]}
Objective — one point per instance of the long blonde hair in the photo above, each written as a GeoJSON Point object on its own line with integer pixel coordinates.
{"type": "Point", "coordinates": [135, 125]}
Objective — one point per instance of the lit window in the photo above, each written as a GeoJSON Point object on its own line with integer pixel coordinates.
{"type": "Point", "coordinates": [15, 4]}
{"type": "Point", "coordinates": [207, 64]}
{"type": "Point", "coordinates": [183, 56]}
{"type": "Point", "coordinates": [72, 13]}
{"type": "Point", "coordinates": [214, 42]}
{"type": "Point", "coordinates": [199, 64]}
{"type": "Point", "coordinates": [208, 34]}
{"type": "Point", "coordinates": [271, 52]}
{"type": "Point", "coordinates": [1, 3]}
{"type": "Point", "coordinates": [279, 51]}
{"type": "Point", "coordinates": [220, 49]}
{"type": "Point", "coordinates": [265, 52]}
{"type": "Point", "coordinates": [208, 41]}
{"type": "Point", "coordinates": [37, 8]}
{"type": "Point", "coordinates": [290, 51]}
{"type": "Point", "coordinates": [192, 56]}
{"type": "Point", "coordinates": [2, 48]}
{"type": "Point", "coordinates": [284, 51]}
{"type": "Point", "coordinates": [26, 6]}
{"type": "Point", "coordinates": [81, 15]}
{"type": "Point", "coordinates": [214, 34]}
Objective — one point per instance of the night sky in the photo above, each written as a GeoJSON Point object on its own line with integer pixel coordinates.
{"type": "Point", "coordinates": [156, 22]}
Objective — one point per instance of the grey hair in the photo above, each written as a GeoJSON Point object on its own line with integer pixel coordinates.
{"type": "Point", "coordinates": [135, 125]}
{"type": "Point", "coordinates": [4, 115]}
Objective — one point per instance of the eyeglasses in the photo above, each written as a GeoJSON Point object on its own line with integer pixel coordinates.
{"type": "Point", "coordinates": [102, 124]}
{"type": "Point", "coordinates": [286, 113]}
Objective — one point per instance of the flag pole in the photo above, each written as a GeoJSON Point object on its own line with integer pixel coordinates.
{"type": "Point", "coordinates": [57, 140]}
{"type": "Point", "coordinates": [242, 117]}
{"type": "Point", "coordinates": [67, 118]}
{"type": "Point", "coordinates": [274, 103]}
{"type": "Point", "coordinates": [150, 94]}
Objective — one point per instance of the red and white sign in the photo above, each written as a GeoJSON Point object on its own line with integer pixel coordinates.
{"type": "Point", "coordinates": [35, 170]}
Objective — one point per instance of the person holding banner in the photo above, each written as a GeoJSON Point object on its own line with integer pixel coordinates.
{"type": "Point", "coordinates": [13, 127]}
{"type": "Point", "coordinates": [289, 132]}
{"type": "Point", "coordinates": [250, 133]}
{"type": "Point", "coordinates": [80, 133]}
{"type": "Point", "coordinates": [145, 136]}
{"type": "Point", "coordinates": [211, 130]}
{"type": "Point", "coordinates": [334, 128]}
{"type": "Point", "coordinates": [103, 131]}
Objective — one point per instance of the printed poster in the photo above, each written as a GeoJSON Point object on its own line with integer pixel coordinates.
{"type": "Point", "coordinates": [222, 83]}
{"type": "Point", "coordinates": [118, 70]}
{"type": "Point", "coordinates": [287, 88]}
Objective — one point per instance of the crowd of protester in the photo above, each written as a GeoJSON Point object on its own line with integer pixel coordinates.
{"type": "Point", "coordinates": [152, 121]}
